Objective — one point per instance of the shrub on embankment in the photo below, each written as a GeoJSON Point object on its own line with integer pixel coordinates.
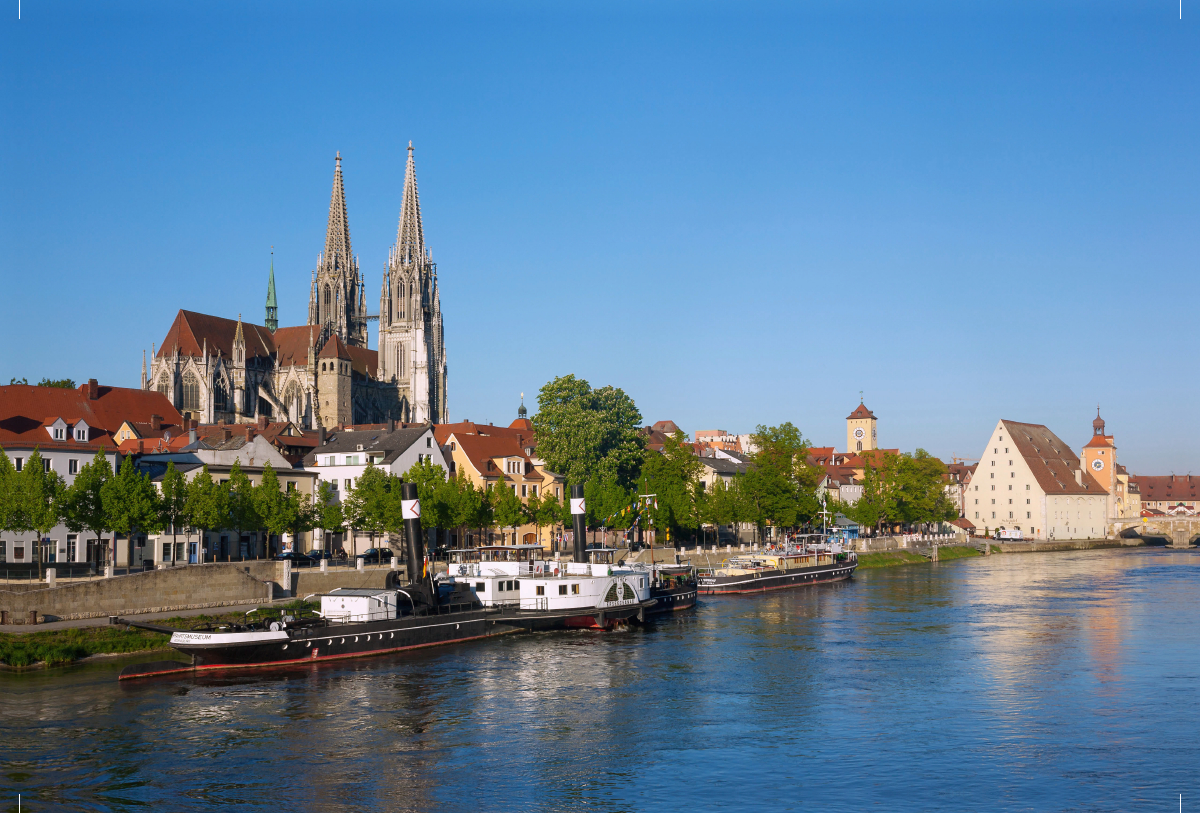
{"type": "Point", "coordinates": [63, 646]}
{"type": "Point", "coordinates": [54, 647]}
{"type": "Point", "coordinates": [892, 558]}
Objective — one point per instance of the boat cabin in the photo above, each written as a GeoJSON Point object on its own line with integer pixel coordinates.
{"type": "Point", "coordinates": [510, 553]}
{"type": "Point", "coordinates": [347, 604]}
{"type": "Point", "coordinates": [460, 556]}
{"type": "Point", "coordinates": [602, 556]}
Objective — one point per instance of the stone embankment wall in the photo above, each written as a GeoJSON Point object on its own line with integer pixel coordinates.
{"type": "Point", "coordinates": [181, 588]}
{"type": "Point", "coordinates": [1033, 546]}
{"type": "Point", "coordinates": [188, 587]}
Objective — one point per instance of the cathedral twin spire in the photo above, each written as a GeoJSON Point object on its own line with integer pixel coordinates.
{"type": "Point", "coordinates": [336, 298]}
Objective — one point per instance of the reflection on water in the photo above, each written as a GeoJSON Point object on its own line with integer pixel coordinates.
{"type": "Point", "coordinates": [1059, 681]}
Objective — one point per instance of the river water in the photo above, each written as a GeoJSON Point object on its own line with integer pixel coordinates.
{"type": "Point", "coordinates": [1065, 681]}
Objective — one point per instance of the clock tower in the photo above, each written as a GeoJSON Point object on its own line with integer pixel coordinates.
{"type": "Point", "coordinates": [860, 430]}
{"type": "Point", "coordinates": [1100, 456]}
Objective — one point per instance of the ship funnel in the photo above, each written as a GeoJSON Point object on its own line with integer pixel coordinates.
{"type": "Point", "coordinates": [411, 510]}
{"type": "Point", "coordinates": [579, 520]}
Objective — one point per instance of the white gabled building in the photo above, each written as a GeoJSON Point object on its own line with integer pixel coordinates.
{"type": "Point", "coordinates": [1029, 479]}
{"type": "Point", "coordinates": [342, 456]}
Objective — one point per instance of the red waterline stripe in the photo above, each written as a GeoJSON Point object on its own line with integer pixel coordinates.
{"type": "Point", "coordinates": [780, 587]}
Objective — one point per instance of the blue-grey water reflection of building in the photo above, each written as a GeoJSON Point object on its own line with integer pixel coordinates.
{"type": "Point", "coordinates": [1063, 681]}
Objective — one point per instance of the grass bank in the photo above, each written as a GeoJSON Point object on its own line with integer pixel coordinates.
{"type": "Point", "coordinates": [894, 558]}
{"type": "Point", "coordinates": [55, 647]}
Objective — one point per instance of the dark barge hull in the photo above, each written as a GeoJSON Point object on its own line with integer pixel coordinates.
{"type": "Point", "coordinates": [606, 619]}
{"type": "Point", "coordinates": [775, 579]}
{"type": "Point", "coordinates": [337, 642]}
{"type": "Point", "coordinates": [673, 599]}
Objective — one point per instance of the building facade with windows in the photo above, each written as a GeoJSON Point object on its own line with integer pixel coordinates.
{"type": "Point", "coordinates": [251, 451]}
{"type": "Point", "coordinates": [341, 457]}
{"type": "Point", "coordinates": [67, 427]}
{"type": "Point", "coordinates": [215, 369]}
{"type": "Point", "coordinates": [1028, 479]}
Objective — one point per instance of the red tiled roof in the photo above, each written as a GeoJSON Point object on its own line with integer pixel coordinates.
{"type": "Point", "coordinates": [1168, 488]}
{"type": "Point", "coordinates": [479, 449]}
{"type": "Point", "coordinates": [861, 412]}
{"type": "Point", "coordinates": [666, 427]}
{"type": "Point", "coordinates": [334, 348]}
{"type": "Point", "coordinates": [292, 343]}
{"type": "Point", "coordinates": [523, 424]}
{"type": "Point", "coordinates": [1102, 441]}
{"type": "Point", "coordinates": [1052, 462]}
{"type": "Point", "coordinates": [525, 437]}
{"type": "Point", "coordinates": [191, 332]}
{"type": "Point", "coordinates": [24, 408]}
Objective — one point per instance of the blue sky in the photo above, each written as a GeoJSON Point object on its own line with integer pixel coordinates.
{"type": "Point", "coordinates": [739, 213]}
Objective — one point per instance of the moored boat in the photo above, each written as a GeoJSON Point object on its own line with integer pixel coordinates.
{"type": "Point", "coordinates": [794, 565]}
{"type": "Point", "coordinates": [550, 594]}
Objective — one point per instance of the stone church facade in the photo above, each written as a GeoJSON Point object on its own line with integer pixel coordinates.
{"type": "Point", "coordinates": [322, 373]}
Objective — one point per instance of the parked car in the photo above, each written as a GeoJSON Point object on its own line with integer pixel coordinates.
{"type": "Point", "coordinates": [374, 556]}
{"type": "Point", "coordinates": [317, 555]}
{"type": "Point", "coordinates": [291, 556]}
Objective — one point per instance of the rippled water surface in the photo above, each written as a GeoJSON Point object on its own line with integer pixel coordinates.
{"type": "Point", "coordinates": [1061, 681]}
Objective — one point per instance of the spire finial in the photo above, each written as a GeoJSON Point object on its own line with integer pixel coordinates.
{"type": "Point", "coordinates": [338, 157]}
{"type": "Point", "coordinates": [410, 145]}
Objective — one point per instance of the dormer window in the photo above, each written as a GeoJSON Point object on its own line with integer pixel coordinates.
{"type": "Point", "coordinates": [60, 433]}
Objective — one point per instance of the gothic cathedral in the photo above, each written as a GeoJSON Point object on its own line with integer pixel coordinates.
{"type": "Point", "coordinates": [321, 374]}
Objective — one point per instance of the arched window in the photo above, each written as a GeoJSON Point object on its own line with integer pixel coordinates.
{"type": "Point", "coordinates": [328, 297]}
{"type": "Point", "coordinates": [322, 366]}
{"type": "Point", "coordinates": [164, 386]}
{"type": "Point", "coordinates": [220, 397]}
{"type": "Point", "coordinates": [860, 446]}
{"type": "Point", "coordinates": [191, 392]}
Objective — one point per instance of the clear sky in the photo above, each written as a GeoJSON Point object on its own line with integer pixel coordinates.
{"type": "Point", "coordinates": [740, 213]}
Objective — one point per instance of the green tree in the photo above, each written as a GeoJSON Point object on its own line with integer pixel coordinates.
{"type": "Point", "coordinates": [8, 494]}
{"type": "Point", "coordinates": [304, 516]}
{"type": "Point", "coordinates": [509, 512]}
{"type": "Point", "coordinates": [239, 501]}
{"type": "Point", "coordinates": [328, 513]}
{"type": "Point", "coordinates": [64, 383]}
{"type": "Point", "coordinates": [674, 477]}
{"type": "Point", "coordinates": [780, 486]}
{"type": "Point", "coordinates": [275, 511]}
{"type": "Point", "coordinates": [468, 506]}
{"type": "Point", "coordinates": [370, 504]}
{"type": "Point", "coordinates": [917, 490]}
{"type": "Point", "coordinates": [39, 496]}
{"type": "Point", "coordinates": [131, 504]}
{"type": "Point", "coordinates": [15, 380]}
{"type": "Point", "coordinates": [432, 491]}
{"type": "Point", "coordinates": [84, 501]}
{"type": "Point", "coordinates": [173, 501]}
{"type": "Point", "coordinates": [206, 505]}
{"type": "Point", "coordinates": [585, 433]}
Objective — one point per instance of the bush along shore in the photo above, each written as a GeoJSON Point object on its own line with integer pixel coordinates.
{"type": "Point", "coordinates": [57, 647]}
{"type": "Point", "coordinates": [893, 558]}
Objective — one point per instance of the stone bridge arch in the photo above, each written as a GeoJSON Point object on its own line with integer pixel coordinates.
{"type": "Point", "coordinates": [1183, 532]}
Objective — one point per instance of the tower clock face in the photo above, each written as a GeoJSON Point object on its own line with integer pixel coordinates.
{"type": "Point", "coordinates": [859, 433]}
{"type": "Point", "coordinates": [1097, 464]}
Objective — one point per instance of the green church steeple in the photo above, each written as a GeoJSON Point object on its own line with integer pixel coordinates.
{"type": "Point", "coordinates": [272, 321]}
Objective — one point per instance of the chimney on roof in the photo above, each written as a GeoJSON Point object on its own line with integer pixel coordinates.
{"type": "Point", "coordinates": [249, 432]}
{"type": "Point", "coordinates": [391, 425]}
{"type": "Point", "coordinates": [141, 446]}
{"type": "Point", "coordinates": [156, 422]}
{"type": "Point", "coordinates": [262, 422]}
{"type": "Point", "coordinates": [226, 433]}
{"type": "Point", "coordinates": [193, 424]}
{"type": "Point", "coordinates": [93, 389]}
{"type": "Point", "coordinates": [192, 434]}
{"type": "Point", "coordinates": [321, 435]}
{"type": "Point", "coordinates": [1079, 476]}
